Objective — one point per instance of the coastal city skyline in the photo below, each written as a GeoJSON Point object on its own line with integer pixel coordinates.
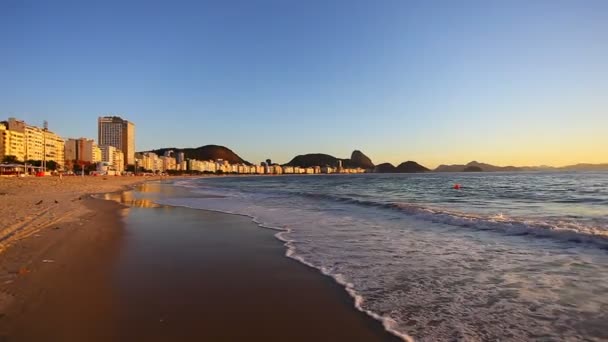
{"type": "Point", "coordinates": [398, 80]}
{"type": "Point", "coordinates": [27, 148]}
{"type": "Point", "coordinates": [115, 147]}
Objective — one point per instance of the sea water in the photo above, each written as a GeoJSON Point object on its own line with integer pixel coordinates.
{"type": "Point", "coordinates": [508, 256]}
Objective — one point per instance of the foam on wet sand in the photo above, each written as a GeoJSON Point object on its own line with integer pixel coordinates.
{"type": "Point", "coordinates": [149, 272]}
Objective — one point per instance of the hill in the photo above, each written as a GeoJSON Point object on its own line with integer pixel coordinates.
{"type": "Point", "coordinates": [450, 168]}
{"type": "Point", "coordinates": [385, 168]}
{"type": "Point", "coordinates": [585, 167]}
{"type": "Point", "coordinates": [313, 159]}
{"type": "Point", "coordinates": [474, 166]}
{"type": "Point", "coordinates": [207, 152]}
{"type": "Point", "coordinates": [492, 168]}
{"type": "Point", "coordinates": [411, 167]}
{"type": "Point", "coordinates": [405, 167]}
{"type": "Point", "coordinates": [357, 159]}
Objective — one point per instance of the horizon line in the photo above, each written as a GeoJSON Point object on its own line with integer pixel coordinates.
{"type": "Point", "coordinates": [464, 164]}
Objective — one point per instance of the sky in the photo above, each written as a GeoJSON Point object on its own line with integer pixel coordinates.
{"type": "Point", "coordinates": [439, 82]}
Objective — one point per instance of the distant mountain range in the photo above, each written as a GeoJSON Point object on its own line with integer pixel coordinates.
{"type": "Point", "coordinates": [357, 160]}
{"type": "Point", "coordinates": [474, 166]}
{"type": "Point", "coordinates": [483, 167]}
{"type": "Point", "coordinates": [360, 160]}
{"type": "Point", "coordinates": [583, 167]}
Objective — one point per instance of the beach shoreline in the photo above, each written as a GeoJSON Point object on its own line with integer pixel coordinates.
{"type": "Point", "coordinates": [78, 282]}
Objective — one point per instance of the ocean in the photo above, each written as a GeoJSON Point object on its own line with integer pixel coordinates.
{"type": "Point", "coordinates": [508, 256]}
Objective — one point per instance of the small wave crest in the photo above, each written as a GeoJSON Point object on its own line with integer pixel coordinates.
{"type": "Point", "coordinates": [564, 230]}
{"type": "Point", "coordinates": [570, 231]}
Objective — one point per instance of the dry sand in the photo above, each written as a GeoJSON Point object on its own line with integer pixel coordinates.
{"type": "Point", "coordinates": [30, 204]}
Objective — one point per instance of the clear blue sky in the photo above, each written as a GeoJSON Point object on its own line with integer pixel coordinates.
{"type": "Point", "coordinates": [508, 82]}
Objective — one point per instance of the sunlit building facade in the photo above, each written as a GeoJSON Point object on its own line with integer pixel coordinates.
{"type": "Point", "coordinates": [113, 157]}
{"type": "Point", "coordinates": [39, 144]}
{"type": "Point", "coordinates": [12, 143]}
{"type": "Point", "coordinates": [82, 150]}
{"type": "Point", "coordinates": [114, 131]}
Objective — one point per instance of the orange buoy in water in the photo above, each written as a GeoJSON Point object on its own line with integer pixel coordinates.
{"type": "Point", "coordinates": [457, 186]}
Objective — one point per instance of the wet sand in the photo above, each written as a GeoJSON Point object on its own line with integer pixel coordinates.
{"type": "Point", "coordinates": [54, 285]}
{"type": "Point", "coordinates": [166, 273]}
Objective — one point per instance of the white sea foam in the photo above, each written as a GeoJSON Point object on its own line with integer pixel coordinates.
{"type": "Point", "coordinates": [231, 207]}
{"type": "Point", "coordinates": [440, 275]}
{"type": "Point", "coordinates": [559, 229]}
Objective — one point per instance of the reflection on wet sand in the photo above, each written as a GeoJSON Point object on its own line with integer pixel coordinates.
{"type": "Point", "coordinates": [130, 199]}
{"type": "Point", "coordinates": [144, 195]}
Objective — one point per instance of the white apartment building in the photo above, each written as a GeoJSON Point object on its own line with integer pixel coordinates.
{"type": "Point", "coordinates": [113, 157]}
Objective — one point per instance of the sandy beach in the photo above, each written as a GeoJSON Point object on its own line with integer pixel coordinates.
{"type": "Point", "coordinates": [54, 285]}
{"type": "Point", "coordinates": [128, 269]}
{"type": "Point", "coordinates": [47, 217]}
{"type": "Point", "coordinates": [30, 204]}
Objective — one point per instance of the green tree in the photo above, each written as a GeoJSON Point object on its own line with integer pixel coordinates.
{"type": "Point", "coordinates": [10, 159]}
{"type": "Point", "coordinates": [34, 162]}
{"type": "Point", "coordinates": [52, 165]}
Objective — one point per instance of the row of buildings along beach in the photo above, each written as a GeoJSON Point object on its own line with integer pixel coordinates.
{"type": "Point", "coordinates": [171, 161]}
{"type": "Point", "coordinates": [114, 153]}
{"type": "Point", "coordinates": [23, 143]}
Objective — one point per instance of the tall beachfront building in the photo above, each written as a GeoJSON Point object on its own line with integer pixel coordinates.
{"type": "Point", "coordinates": [114, 131]}
{"type": "Point", "coordinates": [12, 143]}
{"type": "Point", "coordinates": [38, 143]}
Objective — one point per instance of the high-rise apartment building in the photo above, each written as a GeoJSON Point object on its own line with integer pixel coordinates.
{"type": "Point", "coordinates": [12, 143]}
{"type": "Point", "coordinates": [39, 143]}
{"type": "Point", "coordinates": [114, 131]}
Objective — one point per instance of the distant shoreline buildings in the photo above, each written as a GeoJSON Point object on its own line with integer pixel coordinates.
{"type": "Point", "coordinates": [169, 162]}
{"type": "Point", "coordinates": [114, 153]}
